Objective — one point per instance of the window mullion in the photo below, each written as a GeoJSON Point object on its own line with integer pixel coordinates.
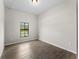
{"type": "Point", "coordinates": [24, 29]}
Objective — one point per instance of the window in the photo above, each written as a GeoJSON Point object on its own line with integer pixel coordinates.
{"type": "Point", "coordinates": [24, 29]}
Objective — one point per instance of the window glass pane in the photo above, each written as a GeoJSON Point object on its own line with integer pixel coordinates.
{"type": "Point", "coordinates": [26, 34]}
{"type": "Point", "coordinates": [24, 29]}
{"type": "Point", "coordinates": [26, 24]}
{"type": "Point", "coordinates": [22, 34]}
{"type": "Point", "coordinates": [22, 23]}
{"type": "Point", "coordinates": [22, 26]}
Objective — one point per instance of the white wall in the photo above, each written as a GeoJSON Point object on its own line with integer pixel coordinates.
{"type": "Point", "coordinates": [1, 26]}
{"type": "Point", "coordinates": [57, 26]}
{"type": "Point", "coordinates": [12, 26]}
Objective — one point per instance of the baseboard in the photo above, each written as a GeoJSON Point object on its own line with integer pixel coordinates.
{"type": "Point", "coordinates": [19, 42]}
{"type": "Point", "coordinates": [60, 47]}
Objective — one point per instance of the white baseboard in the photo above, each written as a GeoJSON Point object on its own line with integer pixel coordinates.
{"type": "Point", "coordinates": [74, 52]}
{"type": "Point", "coordinates": [18, 42]}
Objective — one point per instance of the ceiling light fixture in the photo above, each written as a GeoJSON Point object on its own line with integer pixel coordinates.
{"type": "Point", "coordinates": [34, 2]}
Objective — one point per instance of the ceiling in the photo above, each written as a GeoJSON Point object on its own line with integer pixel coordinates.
{"type": "Point", "coordinates": [27, 6]}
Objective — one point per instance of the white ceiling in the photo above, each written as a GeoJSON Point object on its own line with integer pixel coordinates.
{"type": "Point", "coordinates": [26, 5]}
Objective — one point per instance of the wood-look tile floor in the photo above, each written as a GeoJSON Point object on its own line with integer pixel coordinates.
{"type": "Point", "coordinates": [36, 50]}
